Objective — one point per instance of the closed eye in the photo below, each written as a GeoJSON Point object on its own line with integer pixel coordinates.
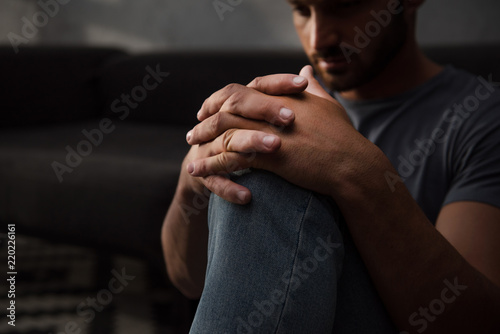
{"type": "Point", "coordinates": [301, 10]}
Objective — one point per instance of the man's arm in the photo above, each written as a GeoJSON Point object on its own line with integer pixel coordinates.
{"type": "Point", "coordinates": [424, 281]}
{"type": "Point", "coordinates": [473, 229]}
{"type": "Point", "coordinates": [410, 262]}
{"type": "Point", "coordinates": [185, 247]}
{"type": "Point", "coordinates": [184, 237]}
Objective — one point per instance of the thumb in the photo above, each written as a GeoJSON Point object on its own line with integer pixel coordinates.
{"type": "Point", "coordinates": [314, 86]}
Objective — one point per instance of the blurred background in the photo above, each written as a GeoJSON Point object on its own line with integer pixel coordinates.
{"type": "Point", "coordinates": [148, 25]}
{"type": "Point", "coordinates": [118, 197]}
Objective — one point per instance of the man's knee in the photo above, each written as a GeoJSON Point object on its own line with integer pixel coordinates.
{"type": "Point", "coordinates": [276, 205]}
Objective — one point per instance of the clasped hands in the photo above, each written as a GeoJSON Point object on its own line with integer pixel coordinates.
{"type": "Point", "coordinates": [283, 123]}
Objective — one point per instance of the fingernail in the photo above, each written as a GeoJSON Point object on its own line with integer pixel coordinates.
{"type": "Point", "coordinates": [269, 141]}
{"type": "Point", "coordinates": [286, 113]}
{"type": "Point", "coordinates": [242, 196]}
{"type": "Point", "coordinates": [189, 135]}
{"type": "Point", "coordinates": [198, 114]}
{"type": "Point", "coordinates": [299, 80]}
{"type": "Point", "coordinates": [190, 168]}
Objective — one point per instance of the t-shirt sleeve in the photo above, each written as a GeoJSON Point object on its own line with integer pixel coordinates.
{"type": "Point", "coordinates": [475, 161]}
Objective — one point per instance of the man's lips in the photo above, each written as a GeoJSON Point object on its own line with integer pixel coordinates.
{"type": "Point", "coordinates": [332, 62]}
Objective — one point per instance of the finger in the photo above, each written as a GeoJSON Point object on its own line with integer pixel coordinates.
{"type": "Point", "coordinates": [254, 105]}
{"type": "Point", "coordinates": [217, 124]}
{"type": "Point", "coordinates": [276, 84]}
{"type": "Point", "coordinates": [241, 141]}
{"type": "Point", "coordinates": [212, 171]}
{"type": "Point", "coordinates": [248, 141]}
{"type": "Point", "coordinates": [227, 189]}
{"type": "Point", "coordinates": [221, 164]}
{"type": "Point", "coordinates": [314, 86]}
{"type": "Point", "coordinates": [213, 103]}
{"type": "Point", "coordinates": [279, 84]}
{"type": "Point", "coordinates": [245, 102]}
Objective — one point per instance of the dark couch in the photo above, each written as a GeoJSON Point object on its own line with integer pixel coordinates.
{"type": "Point", "coordinates": [91, 139]}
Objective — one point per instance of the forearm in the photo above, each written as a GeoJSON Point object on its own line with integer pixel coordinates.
{"type": "Point", "coordinates": [410, 262]}
{"type": "Point", "coordinates": [184, 239]}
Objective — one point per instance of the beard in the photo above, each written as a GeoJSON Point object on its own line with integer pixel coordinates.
{"type": "Point", "coordinates": [367, 63]}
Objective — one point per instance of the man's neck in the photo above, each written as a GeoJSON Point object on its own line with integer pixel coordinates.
{"type": "Point", "coordinates": [408, 69]}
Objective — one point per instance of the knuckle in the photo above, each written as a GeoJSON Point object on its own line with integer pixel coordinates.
{"type": "Point", "coordinates": [232, 102]}
{"type": "Point", "coordinates": [254, 140]}
{"type": "Point", "coordinates": [231, 88]}
{"type": "Point", "coordinates": [226, 190]}
{"type": "Point", "coordinates": [257, 82]}
{"type": "Point", "coordinates": [228, 163]}
{"type": "Point", "coordinates": [215, 123]}
{"type": "Point", "coordinates": [209, 183]}
{"type": "Point", "coordinates": [267, 108]}
{"type": "Point", "coordinates": [205, 103]}
{"type": "Point", "coordinates": [222, 161]}
{"type": "Point", "coordinates": [218, 185]}
{"type": "Point", "coordinates": [226, 139]}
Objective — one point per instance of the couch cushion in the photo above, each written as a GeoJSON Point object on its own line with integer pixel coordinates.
{"type": "Point", "coordinates": [116, 196]}
{"type": "Point", "coordinates": [50, 84]}
{"type": "Point", "coordinates": [192, 77]}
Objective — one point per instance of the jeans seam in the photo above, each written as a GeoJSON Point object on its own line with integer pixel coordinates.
{"type": "Point", "coordinates": [295, 259]}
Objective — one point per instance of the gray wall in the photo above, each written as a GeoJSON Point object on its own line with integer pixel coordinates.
{"type": "Point", "coordinates": [459, 22]}
{"type": "Point", "coordinates": [147, 25]}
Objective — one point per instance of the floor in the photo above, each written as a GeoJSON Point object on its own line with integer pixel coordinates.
{"type": "Point", "coordinates": [63, 289]}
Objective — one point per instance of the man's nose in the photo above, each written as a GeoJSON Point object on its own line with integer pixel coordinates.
{"type": "Point", "coordinates": [323, 32]}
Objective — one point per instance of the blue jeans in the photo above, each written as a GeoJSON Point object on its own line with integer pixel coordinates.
{"type": "Point", "coordinates": [285, 263]}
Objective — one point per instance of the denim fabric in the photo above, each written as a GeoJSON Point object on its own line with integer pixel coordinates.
{"type": "Point", "coordinates": [359, 307]}
{"type": "Point", "coordinates": [274, 266]}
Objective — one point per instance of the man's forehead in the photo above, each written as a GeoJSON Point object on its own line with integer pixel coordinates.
{"type": "Point", "coordinates": [315, 2]}
{"type": "Point", "coordinates": [307, 2]}
{"type": "Point", "coordinates": [312, 2]}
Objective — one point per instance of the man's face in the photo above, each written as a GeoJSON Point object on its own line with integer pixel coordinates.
{"type": "Point", "coordinates": [349, 42]}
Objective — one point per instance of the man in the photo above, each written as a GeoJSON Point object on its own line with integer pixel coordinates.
{"type": "Point", "coordinates": [427, 238]}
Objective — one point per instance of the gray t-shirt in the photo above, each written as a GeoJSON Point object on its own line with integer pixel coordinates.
{"type": "Point", "coordinates": [442, 137]}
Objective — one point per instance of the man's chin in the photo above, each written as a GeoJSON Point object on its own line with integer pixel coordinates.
{"type": "Point", "coordinates": [339, 81]}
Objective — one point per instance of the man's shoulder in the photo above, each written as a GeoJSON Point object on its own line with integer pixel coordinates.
{"type": "Point", "coordinates": [456, 95]}
{"type": "Point", "coordinates": [472, 96]}
{"type": "Point", "coordinates": [464, 84]}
